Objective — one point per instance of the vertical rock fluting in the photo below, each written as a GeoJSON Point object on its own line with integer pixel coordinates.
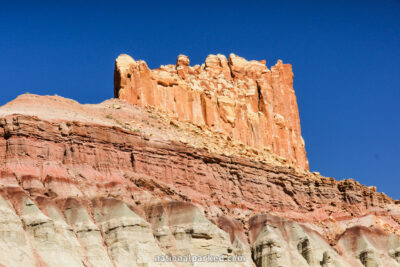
{"type": "Point", "coordinates": [243, 99]}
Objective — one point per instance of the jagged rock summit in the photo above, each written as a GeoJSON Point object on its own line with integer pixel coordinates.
{"type": "Point", "coordinates": [242, 99]}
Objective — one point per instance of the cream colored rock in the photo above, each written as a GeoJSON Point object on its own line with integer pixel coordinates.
{"type": "Point", "coordinates": [182, 229]}
{"type": "Point", "coordinates": [88, 233]}
{"type": "Point", "coordinates": [53, 240]}
{"type": "Point", "coordinates": [14, 246]}
{"type": "Point", "coordinates": [285, 243]}
{"type": "Point", "coordinates": [368, 247]}
{"type": "Point", "coordinates": [128, 237]}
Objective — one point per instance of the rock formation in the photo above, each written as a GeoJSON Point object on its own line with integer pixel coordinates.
{"type": "Point", "coordinates": [243, 99]}
{"type": "Point", "coordinates": [122, 184]}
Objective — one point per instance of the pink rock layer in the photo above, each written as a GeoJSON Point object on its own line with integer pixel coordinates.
{"type": "Point", "coordinates": [91, 161]}
{"type": "Point", "coordinates": [243, 99]}
{"type": "Point", "coordinates": [75, 185]}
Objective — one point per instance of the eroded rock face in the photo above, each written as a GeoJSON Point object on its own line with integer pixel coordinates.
{"type": "Point", "coordinates": [14, 244]}
{"type": "Point", "coordinates": [86, 185]}
{"type": "Point", "coordinates": [243, 99]}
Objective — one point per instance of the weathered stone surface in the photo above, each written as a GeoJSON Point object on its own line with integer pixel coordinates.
{"type": "Point", "coordinates": [242, 99]}
{"type": "Point", "coordinates": [182, 229]}
{"type": "Point", "coordinates": [14, 246]}
{"type": "Point", "coordinates": [128, 236]}
{"type": "Point", "coordinates": [109, 185]}
{"type": "Point", "coordinates": [87, 232]}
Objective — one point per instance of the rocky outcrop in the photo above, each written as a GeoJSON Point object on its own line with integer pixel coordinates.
{"type": "Point", "coordinates": [107, 185]}
{"type": "Point", "coordinates": [242, 99]}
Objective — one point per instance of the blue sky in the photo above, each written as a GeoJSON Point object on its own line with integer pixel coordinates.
{"type": "Point", "coordinates": [345, 56]}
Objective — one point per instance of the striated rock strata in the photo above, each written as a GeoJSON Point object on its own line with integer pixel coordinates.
{"type": "Point", "coordinates": [105, 185]}
{"type": "Point", "coordinates": [243, 99]}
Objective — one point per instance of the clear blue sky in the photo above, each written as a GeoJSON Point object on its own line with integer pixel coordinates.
{"type": "Point", "coordinates": [345, 56]}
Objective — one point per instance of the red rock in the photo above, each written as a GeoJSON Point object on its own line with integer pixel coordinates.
{"type": "Point", "coordinates": [80, 182]}
{"type": "Point", "coordinates": [243, 99]}
{"type": "Point", "coordinates": [99, 160]}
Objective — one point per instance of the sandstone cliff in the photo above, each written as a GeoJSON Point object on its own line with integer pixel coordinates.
{"type": "Point", "coordinates": [243, 99]}
{"type": "Point", "coordinates": [116, 184]}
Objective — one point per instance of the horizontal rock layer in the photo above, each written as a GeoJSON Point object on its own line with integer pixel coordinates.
{"type": "Point", "coordinates": [77, 191]}
{"type": "Point", "coordinates": [240, 98]}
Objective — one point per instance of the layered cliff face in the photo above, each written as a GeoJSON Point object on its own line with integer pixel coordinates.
{"type": "Point", "coordinates": [116, 184]}
{"type": "Point", "coordinates": [242, 99]}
